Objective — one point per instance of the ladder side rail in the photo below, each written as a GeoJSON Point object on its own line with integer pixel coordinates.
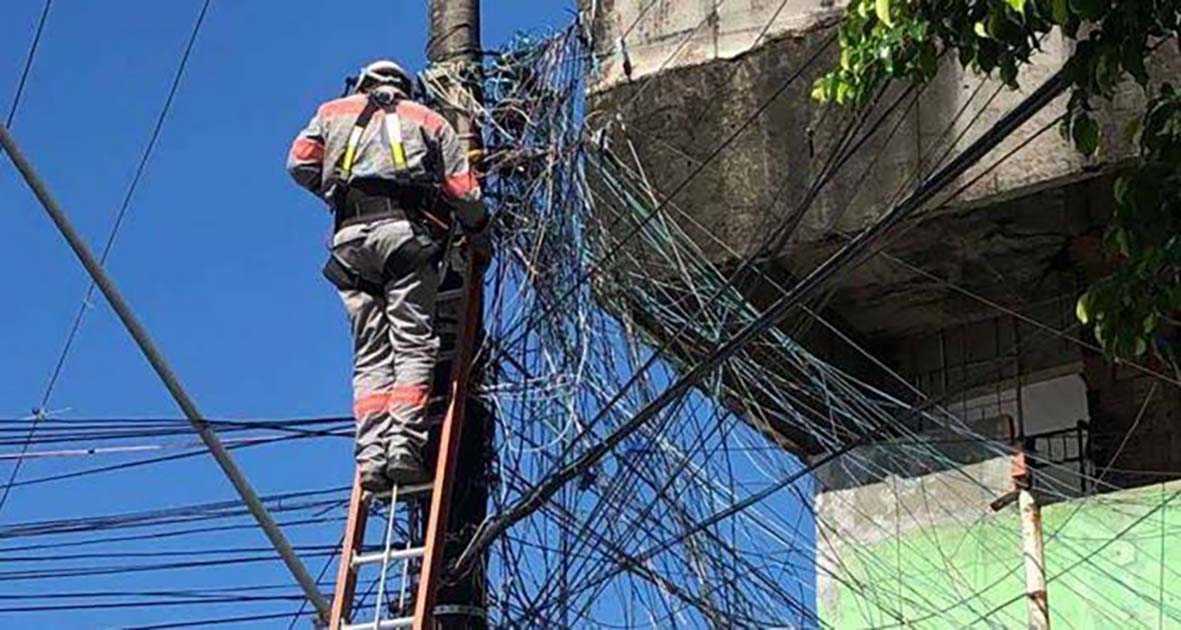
{"type": "Point", "coordinates": [346, 573]}
{"type": "Point", "coordinates": [450, 433]}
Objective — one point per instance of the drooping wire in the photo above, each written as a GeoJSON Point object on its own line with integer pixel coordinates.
{"type": "Point", "coordinates": [20, 86]}
{"type": "Point", "coordinates": [110, 241]}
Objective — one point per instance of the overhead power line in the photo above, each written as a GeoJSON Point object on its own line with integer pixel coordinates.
{"type": "Point", "coordinates": [164, 371]}
{"type": "Point", "coordinates": [20, 86]}
{"type": "Point", "coordinates": [110, 242]}
{"type": "Point", "coordinates": [856, 248]}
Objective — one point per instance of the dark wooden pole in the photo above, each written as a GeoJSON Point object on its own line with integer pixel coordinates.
{"type": "Point", "coordinates": [454, 41]}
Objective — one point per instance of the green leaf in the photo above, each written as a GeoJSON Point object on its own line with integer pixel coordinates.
{"type": "Point", "coordinates": [1085, 132]}
{"type": "Point", "coordinates": [967, 55]}
{"type": "Point", "coordinates": [1089, 9]}
{"type": "Point", "coordinates": [882, 8]}
{"type": "Point", "coordinates": [1141, 347]}
{"type": "Point", "coordinates": [998, 26]}
{"type": "Point", "coordinates": [1122, 188]}
{"type": "Point", "coordinates": [928, 61]}
{"type": "Point", "coordinates": [982, 30]}
{"type": "Point", "coordinates": [918, 30]}
{"type": "Point", "coordinates": [1080, 309]}
{"type": "Point", "coordinates": [1070, 28]}
{"type": "Point", "coordinates": [1009, 73]}
{"type": "Point", "coordinates": [842, 93]}
{"type": "Point", "coordinates": [825, 88]}
{"type": "Point", "coordinates": [819, 93]}
{"type": "Point", "coordinates": [1060, 11]}
{"type": "Point", "coordinates": [1133, 62]}
{"type": "Point", "coordinates": [1143, 200]}
{"type": "Point", "coordinates": [1106, 70]}
{"type": "Point", "coordinates": [1121, 240]}
{"type": "Point", "coordinates": [1018, 6]}
{"type": "Point", "coordinates": [986, 56]}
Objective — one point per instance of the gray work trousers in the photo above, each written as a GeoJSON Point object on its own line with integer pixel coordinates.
{"type": "Point", "coordinates": [394, 342]}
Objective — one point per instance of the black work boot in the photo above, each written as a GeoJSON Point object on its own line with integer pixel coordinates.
{"type": "Point", "coordinates": [405, 467]}
{"type": "Point", "coordinates": [375, 481]}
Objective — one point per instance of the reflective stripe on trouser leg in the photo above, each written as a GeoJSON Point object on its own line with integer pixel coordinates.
{"type": "Point", "coordinates": [373, 376]}
{"type": "Point", "coordinates": [410, 307]}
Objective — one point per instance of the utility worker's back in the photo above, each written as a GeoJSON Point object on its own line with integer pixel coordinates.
{"type": "Point", "coordinates": [395, 174]}
{"type": "Point", "coordinates": [430, 151]}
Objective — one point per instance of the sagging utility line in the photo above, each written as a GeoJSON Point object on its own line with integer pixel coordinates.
{"type": "Point", "coordinates": [164, 371]}
{"type": "Point", "coordinates": [852, 253]}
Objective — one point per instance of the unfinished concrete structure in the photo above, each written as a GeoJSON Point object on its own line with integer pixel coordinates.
{"type": "Point", "coordinates": [973, 304]}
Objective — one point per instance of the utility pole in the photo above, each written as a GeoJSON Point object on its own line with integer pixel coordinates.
{"type": "Point", "coordinates": [454, 44]}
{"type": "Point", "coordinates": [156, 358]}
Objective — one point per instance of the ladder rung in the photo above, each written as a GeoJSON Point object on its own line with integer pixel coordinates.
{"type": "Point", "coordinates": [394, 554]}
{"type": "Point", "coordinates": [399, 622]}
{"type": "Point", "coordinates": [410, 490]}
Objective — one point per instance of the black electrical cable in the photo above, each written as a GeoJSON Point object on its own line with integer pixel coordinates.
{"type": "Point", "coordinates": [855, 249]}
{"type": "Point", "coordinates": [20, 86]}
{"type": "Point", "coordinates": [110, 242]}
{"type": "Point", "coordinates": [215, 622]}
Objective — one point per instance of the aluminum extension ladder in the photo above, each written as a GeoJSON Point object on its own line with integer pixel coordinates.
{"type": "Point", "coordinates": [465, 302]}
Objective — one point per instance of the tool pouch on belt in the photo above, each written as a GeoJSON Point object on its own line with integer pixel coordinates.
{"type": "Point", "coordinates": [346, 279]}
{"type": "Point", "coordinates": [354, 265]}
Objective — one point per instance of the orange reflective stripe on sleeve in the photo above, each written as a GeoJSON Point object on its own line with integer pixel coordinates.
{"type": "Point", "coordinates": [370, 404]}
{"type": "Point", "coordinates": [460, 185]}
{"type": "Point", "coordinates": [413, 396]}
{"type": "Point", "coordinates": [306, 149]}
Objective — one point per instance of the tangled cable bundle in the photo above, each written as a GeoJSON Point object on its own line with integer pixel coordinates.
{"type": "Point", "coordinates": [699, 514]}
{"type": "Point", "coordinates": [643, 479]}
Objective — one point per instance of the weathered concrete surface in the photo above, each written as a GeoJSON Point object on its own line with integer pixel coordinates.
{"type": "Point", "coordinates": [695, 82]}
{"type": "Point", "coordinates": [666, 34]}
{"type": "Point", "coordinates": [1004, 247]}
{"type": "Point", "coordinates": [1015, 254]}
{"type": "Point", "coordinates": [900, 529]}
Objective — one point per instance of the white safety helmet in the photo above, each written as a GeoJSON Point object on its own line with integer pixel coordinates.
{"type": "Point", "coordinates": [385, 72]}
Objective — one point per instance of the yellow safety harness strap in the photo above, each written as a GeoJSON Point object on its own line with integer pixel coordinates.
{"type": "Point", "coordinates": [393, 128]}
{"type": "Point", "coordinates": [350, 150]}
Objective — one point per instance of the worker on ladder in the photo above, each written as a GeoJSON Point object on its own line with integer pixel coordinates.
{"type": "Point", "coordinates": [394, 174]}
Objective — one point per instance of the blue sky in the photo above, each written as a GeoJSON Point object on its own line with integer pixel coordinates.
{"type": "Point", "coordinates": [220, 252]}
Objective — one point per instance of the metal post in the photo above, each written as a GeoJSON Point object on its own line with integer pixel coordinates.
{"type": "Point", "coordinates": [1033, 552]}
{"type": "Point", "coordinates": [164, 371]}
{"type": "Point", "coordinates": [1034, 555]}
